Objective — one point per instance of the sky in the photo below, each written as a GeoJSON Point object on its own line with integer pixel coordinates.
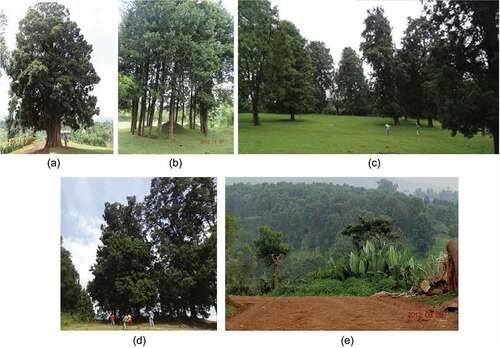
{"type": "Point", "coordinates": [408, 185]}
{"type": "Point", "coordinates": [82, 207]}
{"type": "Point", "coordinates": [98, 21]}
{"type": "Point", "coordinates": [339, 24]}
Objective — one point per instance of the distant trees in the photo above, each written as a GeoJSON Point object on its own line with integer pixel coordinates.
{"type": "Point", "coordinates": [172, 55]}
{"type": "Point", "coordinates": [51, 73]}
{"type": "Point", "coordinates": [74, 300]}
{"type": "Point", "coordinates": [160, 253]}
{"type": "Point", "coordinates": [377, 230]}
{"type": "Point", "coordinates": [351, 96]}
{"type": "Point", "coordinates": [4, 54]}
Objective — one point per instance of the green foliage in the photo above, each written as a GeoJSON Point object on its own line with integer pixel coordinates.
{"type": "Point", "coordinates": [161, 252]}
{"type": "Point", "coordinates": [4, 53]}
{"type": "Point", "coordinates": [378, 231]}
{"type": "Point", "coordinates": [51, 72]}
{"type": "Point", "coordinates": [16, 143]}
{"type": "Point", "coordinates": [100, 134]}
{"type": "Point", "coordinates": [269, 244]}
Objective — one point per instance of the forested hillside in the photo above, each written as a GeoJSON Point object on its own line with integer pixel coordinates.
{"type": "Point", "coordinates": [313, 216]}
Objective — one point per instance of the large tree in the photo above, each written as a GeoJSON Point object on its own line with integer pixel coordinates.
{"type": "Point", "coordinates": [122, 272]}
{"type": "Point", "coordinates": [467, 57]}
{"type": "Point", "coordinates": [351, 93]}
{"type": "Point", "coordinates": [378, 50]}
{"type": "Point", "coordinates": [257, 22]}
{"type": "Point", "coordinates": [323, 73]}
{"type": "Point", "coordinates": [52, 73]}
{"type": "Point", "coordinates": [181, 220]}
{"type": "Point", "coordinates": [291, 72]}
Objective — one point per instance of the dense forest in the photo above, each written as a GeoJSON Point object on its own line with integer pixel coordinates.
{"type": "Point", "coordinates": [445, 68]}
{"type": "Point", "coordinates": [316, 223]}
{"type": "Point", "coordinates": [175, 65]}
{"type": "Point", "coordinates": [159, 255]}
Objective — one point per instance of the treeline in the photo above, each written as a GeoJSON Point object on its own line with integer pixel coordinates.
{"type": "Point", "coordinates": [446, 68]}
{"type": "Point", "coordinates": [175, 58]}
{"type": "Point", "coordinates": [75, 300]}
{"type": "Point", "coordinates": [159, 254]}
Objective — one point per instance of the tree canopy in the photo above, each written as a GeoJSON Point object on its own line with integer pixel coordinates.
{"type": "Point", "coordinates": [160, 253]}
{"type": "Point", "coordinates": [51, 72]}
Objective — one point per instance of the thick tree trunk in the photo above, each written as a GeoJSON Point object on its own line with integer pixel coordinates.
{"type": "Point", "coordinates": [191, 108]}
{"type": "Point", "coordinates": [142, 114]}
{"type": "Point", "coordinates": [194, 109]}
{"type": "Point", "coordinates": [177, 110]}
{"type": "Point", "coordinates": [53, 130]}
{"type": "Point", "coordinates": [396, 120]}
{"type": "Point", "coordinates": [292, 115]}
{"type": "Point", "coordinates": [183, 109]}
{"type": "Point", "coordinates": [255, 111]}
{"type": "Point", "coordinates": [429, 122]}
{"type": "Point", "coordinates": [192, 311]}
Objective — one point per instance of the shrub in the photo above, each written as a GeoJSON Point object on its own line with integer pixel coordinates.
{"type": "Point", "coordinates": [100, 134]}
{"type": "Point", "coordinates": [16, 143]}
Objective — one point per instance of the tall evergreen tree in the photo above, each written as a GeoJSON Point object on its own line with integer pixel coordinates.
{"type": "Point", "coordinates": [52, 73]}
{"type": "Point", "coordinates": [378, 50]}
{"type": "Point", "coordinates": [323, 73]}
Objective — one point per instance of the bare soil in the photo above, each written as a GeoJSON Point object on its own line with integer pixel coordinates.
{"type": "Point", "coordinates": [336, 313]}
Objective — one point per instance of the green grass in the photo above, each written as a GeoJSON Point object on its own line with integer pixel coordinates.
{"type": "Point", "coordinates": [105, 326]}
{"type": "Point", "coordinates": [186, 141]}
{"type": "Point", "coordinates": [230, 310]}
{"type": "Point", "coordinates": [72, 148]}
{"type": "Point", "coordinates": [436, 300]}
{"type": "Point", "coordinates": [332, 287]}
{"type": "Point", "coordinates": [326, 134]}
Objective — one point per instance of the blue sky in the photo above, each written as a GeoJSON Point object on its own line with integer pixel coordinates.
{"type": "Point", "coordinates": [82, 206]}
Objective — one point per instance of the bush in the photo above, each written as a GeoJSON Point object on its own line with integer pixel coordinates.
{"type": "Point", "coordinates": [16, 143]}
{"type": "Point", "coordinates": [100, 134]}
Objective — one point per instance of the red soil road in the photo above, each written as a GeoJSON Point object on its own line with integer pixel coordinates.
{"type": "Point", "coordinates": [335, 313]}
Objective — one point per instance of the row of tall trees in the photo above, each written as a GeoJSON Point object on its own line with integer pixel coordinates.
{"type": "Point", "coordinates": [446, 67]}
{"type": "Point", "coordinates": [175, 61]}
{"type": "Point", "coordinates": [161, 253]}
{"type": "Point", "coordinates": [51, 72]}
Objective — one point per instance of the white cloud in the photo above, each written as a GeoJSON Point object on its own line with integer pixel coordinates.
{"type": "Point", "coordinates": [82, 242]}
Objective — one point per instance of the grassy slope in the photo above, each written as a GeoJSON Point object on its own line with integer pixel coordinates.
{"type": "Point", "coordinates": [316, 134]}
{"type": "Point", "coordinates": [73, 148]}
{"type": "Point", "coordinates": [186, 141]}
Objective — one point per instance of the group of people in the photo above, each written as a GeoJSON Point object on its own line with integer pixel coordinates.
{"type": "Point", "coordinates": [388, 127]}
{"type": "Point", "coordinates": [127, 319]}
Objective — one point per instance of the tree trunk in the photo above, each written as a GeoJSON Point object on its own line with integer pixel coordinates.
{"type": "Point", "coordinates": [255, 111]}
{"type": "Point", "coordinates": [140, 131]}
{"type": "Point", "coordinates": [183, 105]}
{"type": "Point", "coordinates": [135, 108]}
{"type": "Point", "coordinates": [191, 108]}
{"type": "Point", "coordinates": [171, 119]}
{"type": "Point", "coordinates": [53, 131]}
{"type": "Point", "coordinates": [194, 109]}
{"type": "Point", "coordinates": [396, 120]}
{"type": "Point", "coordinates": [292, 115]}
{"type": "Point", "coordinates": [429, 122]}
{"type": "Point", "coordinates": [276, 272]}
{"type": "Point", "coordinates": [204, 118]}
{"type": "Point", "coordinates": [176, 110]}
{"type": "Point", "coordinates": [160, 116]}
{"type": "Point", "coordinates": [494, 133]}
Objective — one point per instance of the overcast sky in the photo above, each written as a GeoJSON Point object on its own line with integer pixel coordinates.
{"type": "Point", "coordinates": [339, 24]}
{"type": "Point", "coordinates": [82, 207]}
{"type": "Point", "coordinates": [98, 21]}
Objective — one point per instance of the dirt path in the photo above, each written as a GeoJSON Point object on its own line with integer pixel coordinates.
{"type": "Point", "coordinates": [336, 313]}
{"type": "Point", "coordinates": [38, 147]}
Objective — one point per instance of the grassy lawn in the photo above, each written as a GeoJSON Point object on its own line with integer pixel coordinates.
{"type": "Point", "coordinates": [325, 134]}
{"type": "Point", "coordinates": [186, 141]}
{"type": "Point", "coordinates": [73, 148]}
{"type": "Point", "coordinates": [230, 310]}
{"type": "Point", "coordinates": [104, 326]}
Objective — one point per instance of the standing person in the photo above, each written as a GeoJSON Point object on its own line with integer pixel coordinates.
{"type": "Point", "coordinates": [112, 318]}
{"type": "Point", "coordinates": [418, 128]}
{"type": "Point", "coordinates": [151, 315]}
{"type": "Point", "coordinates": [126, 320]}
